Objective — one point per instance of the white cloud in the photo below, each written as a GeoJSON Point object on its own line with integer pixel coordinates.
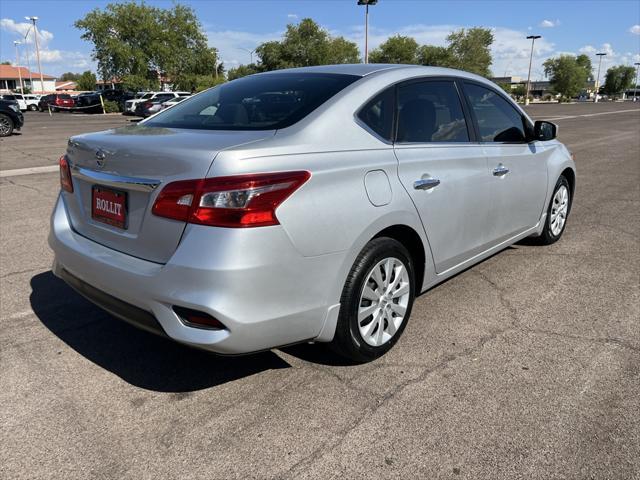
{"type": "Point", "coordinates": [635, 29]}
{"type": "Point", "coordinates": [20, 29]}
{"type": "Point", "coordinates": [549, 23]}
{"type": "Point", "coordinates": [292, 16]}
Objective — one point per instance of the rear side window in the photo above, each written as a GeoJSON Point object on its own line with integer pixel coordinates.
{"type": "Point", "coordinates": [256, 102]}
{"type": "Point", "coordinates": [377, 114]}
{"type": "Point", "coordinates": [431, 112]}
{"type": "Point", "coordinates": [497, 120]}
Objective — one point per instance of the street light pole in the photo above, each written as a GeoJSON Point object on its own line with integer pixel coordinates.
{"type": "Point", "coordinates": [250, 52]}
{"type": "Point", "coordinates": [533, 41]}
{"type": "Point", "coordinates": [598, 77]}
{"type": "Point", "coordinates": [16, 43]}
{"type": "Point", "coordinates": [366, 4]}
{"type": "Point", "coordinates": [29, 61]}
{"type": "Point", "coordinates": [635, 87]}
{"type": "Point", "coordinates": [35, 36]}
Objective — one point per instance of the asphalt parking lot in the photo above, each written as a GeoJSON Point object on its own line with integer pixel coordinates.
{"type": "Point", "coordinates": [524, 366]}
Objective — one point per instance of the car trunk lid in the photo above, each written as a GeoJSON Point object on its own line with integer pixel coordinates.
{"type": "Point", "coordinates": [117, 175]}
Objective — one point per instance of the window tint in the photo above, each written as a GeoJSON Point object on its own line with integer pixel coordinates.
{"type": "Point", "coordinates": [430, 112]}
{"type": "Point", "coordinates": [256, 102]}
{"type": "Point", "coordinates": [497, 120]}
{"type": "Point", "coordinates": [378, 113]}
{"type": "Point", "coordinates": [64, 96]}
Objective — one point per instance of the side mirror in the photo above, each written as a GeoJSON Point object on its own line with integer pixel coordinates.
{"type": "Point", "coordinates": [544, 131]}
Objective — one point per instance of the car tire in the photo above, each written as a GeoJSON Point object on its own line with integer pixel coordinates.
{"type": "Point", "coordinates": [6, 125]}
{"type": "Point", "coordinates": [376, 301]}
{"type": "Point", "coordinates": [33, 108]}
{"type": "Point", "coordinates": [557, 213]}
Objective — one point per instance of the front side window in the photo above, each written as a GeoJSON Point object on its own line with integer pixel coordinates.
{"type": "Point", "coordinates": [497, 120]}
{"type": "Point", "coordinates": [256, 102]}
{"type": "Point", "coordinates": [377, 114]}
{"type": "Point", "coordinates": [431, 112]}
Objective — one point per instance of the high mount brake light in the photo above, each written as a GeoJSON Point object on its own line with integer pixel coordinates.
{"type": "Point", "coordinates": [237, 201]}
{"type": "Point", "coordinates": [65, 175]}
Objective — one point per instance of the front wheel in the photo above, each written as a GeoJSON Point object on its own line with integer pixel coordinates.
{"type": "Point", "coordinates": [557, 213]}
{"type": "Point", "coordinates": [33, 108]}
{"type": "Point", "coordinates": [6, 125]}
{"type": "Point", "coordinates": [376, 301]}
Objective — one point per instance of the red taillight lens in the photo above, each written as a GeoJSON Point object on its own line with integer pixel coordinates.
{"type": "Point", "coordinates": [235, 201]}
{"type": "Point", "coordinates": [65, 175]}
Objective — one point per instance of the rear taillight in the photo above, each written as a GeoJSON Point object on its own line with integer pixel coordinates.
{"type": "Point", "coordinates": [147, 105]}
{"type": "Point", "coordinates": [65, 175]}
{"type": "Point", "coordinates": [235, 201]}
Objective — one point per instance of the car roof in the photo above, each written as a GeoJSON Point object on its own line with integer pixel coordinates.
{"type": "Point", "coordinates": [365, 69]}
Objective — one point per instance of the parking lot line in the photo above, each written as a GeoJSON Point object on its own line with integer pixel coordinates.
{"type": "Point", "coordinates": [28, 171]}
{"type": "Point", "coordinates": [591, 114]}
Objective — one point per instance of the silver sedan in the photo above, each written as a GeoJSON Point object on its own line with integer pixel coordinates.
{"type": "Point", "coordinates": [302, 205]}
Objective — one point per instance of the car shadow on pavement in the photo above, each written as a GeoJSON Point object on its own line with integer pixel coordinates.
{"type": "Point", "coordinates": [139, 358]}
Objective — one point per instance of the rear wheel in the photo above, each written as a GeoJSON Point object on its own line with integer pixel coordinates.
{"type": "Point", "coordinates": [557, 214]}
{"type": "Point", "coordinates": [376, 301]}
{"type": "Point", "coordinates": [33, 107]}
{"type": "Point", "coordinates": [6, 125]}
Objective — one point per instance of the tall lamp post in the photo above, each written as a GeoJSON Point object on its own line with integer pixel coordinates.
{"type": "Point", "coordinates": [366, 4]}
{"type": "Point", "coordinates": [16, 43]}
{"type": "Point", "coordinates": [35, 36]}
{"type": "Point", "coordinates": [533, 41]}
{"type": "Point", "coordinates": [598, 77]}
{"type": "Point", "coordinates": [250, 52]}
{"type": "Point", "coordinates": [28, 61]}
{"type": "Point", "coordinates": [635, 87]}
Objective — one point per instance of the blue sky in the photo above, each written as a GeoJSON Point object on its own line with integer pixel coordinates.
{"type": "Point", "coordinates": [232, 26]}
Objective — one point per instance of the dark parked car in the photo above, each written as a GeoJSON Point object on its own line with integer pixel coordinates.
{"type": "Point", "coordinates": [56, 101]}
{"type": "Point", "coordinates": [90, 102]}
{"type": "Point", "coordinates": [10, 117]}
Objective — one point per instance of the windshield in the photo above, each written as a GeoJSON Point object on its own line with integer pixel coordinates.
{"type": "Point", "coordinates": [257, 102]}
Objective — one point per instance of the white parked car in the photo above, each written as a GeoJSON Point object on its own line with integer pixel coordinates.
{"type": "Point", "coordinates": [130, 105]}
{"type": "Point", "coordinates": [32, 101]}
{"type": "Point", "coordinates": [172, 102]}
{"type": "Point", "coordinates": [16, 97]}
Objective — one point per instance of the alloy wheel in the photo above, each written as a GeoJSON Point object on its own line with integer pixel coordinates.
{"type": "Point", "coordinates": [5, 126]}
{"type": "Point", "coordinates": [383, 302]}
{"type": "Point", "coordinates": [559, 210]}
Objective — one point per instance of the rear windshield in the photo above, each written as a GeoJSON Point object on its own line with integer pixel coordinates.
{"type": "Point", "coordinates": [257, 102]}
{"type": "Point", "coordinates": [64, 96]}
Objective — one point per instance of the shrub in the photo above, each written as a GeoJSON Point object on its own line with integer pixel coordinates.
{"type": "Point", "coordinates": [111, 106]}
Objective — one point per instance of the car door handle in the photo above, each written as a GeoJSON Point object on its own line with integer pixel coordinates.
{"type": "Point", "coordinates": [500, 171]}
{"type": "Point", "coordinates": [426, 183]}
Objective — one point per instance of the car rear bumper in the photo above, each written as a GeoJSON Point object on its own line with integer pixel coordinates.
{"type": "Point", "coordinates": [252, 280]}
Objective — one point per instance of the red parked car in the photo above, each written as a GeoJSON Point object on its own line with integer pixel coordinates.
{"type": "Point", "coordinates": [57, 101]}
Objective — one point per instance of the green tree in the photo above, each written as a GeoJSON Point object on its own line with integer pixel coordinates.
{"type": "Point", "coordinates": [68, 77]}
{"type": "Point", "coordinates": [585, 62]}
{"type": "Point", "coordinates": [467, 49]}
{"type": "Point", "coordinates": [566, 75]}
{"type": "Point", "coordinates": [86, 81]}
{"type": "Point", "coordinates": [470, 50]}
{"type": "Point", "coordinates": [434, 56]}
{"type": "Point", "coordinates": [306, 44]}
{"type": "Point", "coordinates": [138, 43]}
{"type": "Point", "coordinates": [6, 63]}
{"type": "Point", "coordinates": [242, 71]}
{"type": "Point", "coordinates": [397, 49]}
{"type": "Point", "coordinates": [618, 79]}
